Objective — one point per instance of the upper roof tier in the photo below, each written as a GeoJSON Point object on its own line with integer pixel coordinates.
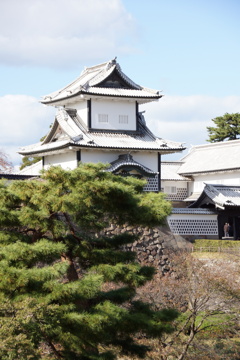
{"type": "Point", "coordinates": [106, 80]}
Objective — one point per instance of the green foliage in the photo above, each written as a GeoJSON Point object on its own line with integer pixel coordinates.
{"type": "Point", "coordinates": [227, 128]}
{"type": "Point", "coordinates": [216, 243]}
{"type": "Point", "coordinates": [29, 160]}
{"type": "Point", "coordinates": [65, 291]}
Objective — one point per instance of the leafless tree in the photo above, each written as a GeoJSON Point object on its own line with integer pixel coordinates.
{"type": "Point", "coordinates": [5, 164]}
{"type": "Point", "coordinates": [206, 293]}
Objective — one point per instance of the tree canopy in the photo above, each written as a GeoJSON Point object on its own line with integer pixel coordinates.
{"type": "Point", "coordinates": [227, 128]}
{"type": "Point", "coordinates": [29, 160]}
{"type": "Point", "coordinates": [66, 291]}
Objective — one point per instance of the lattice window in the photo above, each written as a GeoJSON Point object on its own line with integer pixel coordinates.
{"type": "Point", "coordinates": [170, 190]}
{"type": "Point", "coordinates": [103, 118]}
{"type": "Point", "coordinates": [123, 119]}
{"type": "Point", "coordinates": [193, 226]}
{"type": "Point", "coordinates": [152, 184]}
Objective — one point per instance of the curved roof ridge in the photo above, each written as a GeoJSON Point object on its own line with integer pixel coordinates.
{"type": "Point", "coordinates": [101, 76]}
{"type": "Point", "coordinates": [127, 79]}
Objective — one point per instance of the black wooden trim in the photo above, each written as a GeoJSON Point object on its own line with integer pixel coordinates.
{"type": "Point", "coordinates": [78, 154]}
{"type": "Point", "coordinates": [159, 172]}
{"type": "Point", "coordinates": [137, 110]}
{"type": "Point", "coordinates": [17, 177]}
{"type": "Point", "coordinates": [89, 105]}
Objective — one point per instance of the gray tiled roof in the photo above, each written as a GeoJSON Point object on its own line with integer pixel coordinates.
{"type": "Point", "coordinates": [89, 82]}
{"type": "Point", "coordinates": [192, 197]}
{"type": "Point", "coordinates": [221, 196]}
{"type": "Point", "coordinates": [77, 135]}
{"type": "Point", "coordinates": [169, 171]}
{"type": "Point", "coordinates": [211, 158]}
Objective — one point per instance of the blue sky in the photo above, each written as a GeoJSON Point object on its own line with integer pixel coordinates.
{"type": "Point", "coordinates": [189, 49]}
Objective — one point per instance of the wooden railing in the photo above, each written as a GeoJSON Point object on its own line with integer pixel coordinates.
{"type": "Point", "coordinates": [230, 250]}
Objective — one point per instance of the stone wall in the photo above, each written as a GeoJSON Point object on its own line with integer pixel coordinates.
{"type": "Point", "coordinates": [153, 245]}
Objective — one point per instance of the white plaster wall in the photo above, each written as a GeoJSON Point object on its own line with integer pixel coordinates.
{"type": "Point", "coordinates": [178, 184]}
{"type": "Point", "coordinates": [82, 110]}
{"type": "Point", "coordinates": [228, 178]}
{"type": "Point", "coordinates": [191, 188]}
{"type": "Point", "coordinates": [67, 161]}
{"type": "Point", "coordinates": [193, 224]}
{"type": "Point", "coordinates": [192, 217]}
{"type": "Point", "coordinates": [98, 156]}
{"type": "Point", "coordinates": [113, 108]}
{"type": "Point", "coordinates": [149, 160]}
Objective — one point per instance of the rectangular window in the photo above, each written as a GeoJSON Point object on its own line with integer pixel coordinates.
{"type": "Point", "coordinates": [170, 189]}
{"type": "Point", "coordinates": [123, 119]}
{"type": "Point", "coordinates": [103, 118]}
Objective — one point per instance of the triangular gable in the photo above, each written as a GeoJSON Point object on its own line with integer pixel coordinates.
{"type": "Point", "coordinates": [56, 133]}
{"type": "Point", "coordinates": [114, 80]}
{"type": "Point", "coordinates": [63, 128]}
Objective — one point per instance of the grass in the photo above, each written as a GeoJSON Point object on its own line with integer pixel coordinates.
{"type": "Point", "coordinates": [216, 243]}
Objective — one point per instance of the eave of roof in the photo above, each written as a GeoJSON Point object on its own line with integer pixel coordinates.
{"type": "Point", "coordinates": [209, 171]}
{"type": "Point", "coordinates": [87, 84]}
{"type": "Point", "coordinates": [41, 151]}
{"type": "Point", "coordinates": [16, 176]}
{"type": "Point", "coordinates": [79, 137]}
{"type": "Point", "coordinates": [108, 93]}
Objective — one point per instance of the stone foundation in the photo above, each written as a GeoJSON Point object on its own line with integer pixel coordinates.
{"type": "Point", "coordinates": [153, 244]}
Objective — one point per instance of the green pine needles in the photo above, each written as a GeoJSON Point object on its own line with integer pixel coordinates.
{"type": "Point", "coordinates": [227, 127]}
{"type": "Point", "coordinates": [65, 292]}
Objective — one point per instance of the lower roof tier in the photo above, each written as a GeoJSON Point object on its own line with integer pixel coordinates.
{"type": "Point", "coordinates": [74, 134]}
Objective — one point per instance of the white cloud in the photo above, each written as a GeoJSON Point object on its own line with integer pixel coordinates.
{"type": "Point", "coordinates": [23, 122]}
{"type": "Point", "coordinates": [185, 118]}
{"type": "Point", "coordinates": [60, 33]}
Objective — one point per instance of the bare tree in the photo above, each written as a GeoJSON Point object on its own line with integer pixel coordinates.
{"type": "Point", "coordinates": [206, 293]}
{"type": "Point", "coordinates": [5, 164]}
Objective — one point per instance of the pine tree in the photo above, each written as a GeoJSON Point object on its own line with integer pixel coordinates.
{"type": "Point", "coordinates": [227, 128]}
{"type": "Point", "coordinates": [65, 291]}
